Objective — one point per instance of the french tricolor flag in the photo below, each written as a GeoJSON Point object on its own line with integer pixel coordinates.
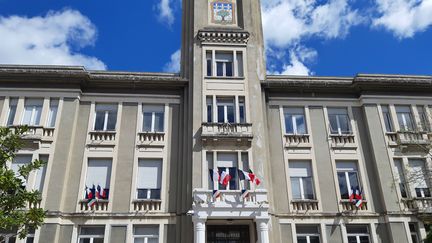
{"type": "Point", "coordinates": [214, 175]}
{"type": "Point", "coordinates": [245, 193]}
{"type": "Point", "coordinates": [250, 176]}
{"type": "Point", "coordinates": [216, 194]}
{"type": "Point", "coordinates": [224, 178]}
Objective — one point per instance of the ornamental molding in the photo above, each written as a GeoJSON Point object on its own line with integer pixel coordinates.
{"type": "Point", "coordinates": [225, 37]}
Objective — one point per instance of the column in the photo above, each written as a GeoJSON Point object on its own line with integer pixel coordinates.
{"type": "Point", "coordinates": [262, 229]}
{"type": "Point", "coordinates": [199, 229]}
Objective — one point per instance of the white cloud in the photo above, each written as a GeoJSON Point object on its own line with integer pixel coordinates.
{"type": "Point", "coordinates": [287, 23]}
{"type": "Point", "coordinates": [174, 64]}
{"type": "Point", "coordinates": [297, 59]}
{"type": "Point", "coordinates": [48, 40]}
{"type": "Point", "coordinates": [404, 17]}
{"type": "Point", "coordinates": [165, 14]}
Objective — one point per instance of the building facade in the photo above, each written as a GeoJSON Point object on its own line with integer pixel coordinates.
{"type": "Point", "coordinates": [339, 159]}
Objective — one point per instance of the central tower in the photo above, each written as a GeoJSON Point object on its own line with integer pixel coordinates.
{"type": "Point", "coordinates": [223, 58]}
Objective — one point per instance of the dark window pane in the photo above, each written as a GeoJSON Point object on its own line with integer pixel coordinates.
{"type": "Point", "coordinates": [220, 169]}
{"type": "Point", "coordinates": [301, 239]}
{"type": "Point", "coordinates": [427, 192]}
{"type": "Point", "coordinates": [301, 125]}
{"type": "Point", "coordinates": [308, 188]}
{"type": "Point", "coordinates": [142, 193]}
{"type": "Point", "coordinates": [155, 194]}
{"type": "Point", "coordinates": [159, 122]}
{"type": "Point", "coordinates": [84, 240]}
{"type": "Point", "coordinates": [219, 69]}
{"type": "Point", "coordinates": [209, 113]}
{"type": "Point", "coordinates": [209, 67]}
{"type": "Point", "coordinates": [147, 120]}
{"type": "Point", "coordinates": [343, 185]}
{"type": "Point", "coordinates": [344, 124]}
{"type": "Point", "coordinates": [387, 121]}
{"type": "Point", "coordinates": [333, 124]}
{"type": "Point", "coordinates": [288, 124]}
{"type": "Point", "coordinates": [403, 190]}
{"type": "Point", "coordinates": [98, 240]}
{"type": "Point", "coordinates": [353, 180]}
{"type": "Point", "coordinates": [242, 114]}
{"type": "Point", "coordinates": [112, 120]}
{"type": "Point", "coordinates": [221, 116]}
{"type": "Point", "coordinates": [12, 112]}
{"type": "Point", "coordinates": [352, 239]}
{"type": "Point", "coordinates": [364, 239]}
{"type": "Point", "coordinates": [414, 239]}
{"type": "Point", "coordinates": [29, 240]}
{"type": "Point", "coordinates": [314, 239]}
{"type": "Point", "coordinates": [233, 181]}
{"type": "Point", "coordinates": [99, 121]}
{"type": "Point", "coordinates": [229, 69]}
{"type": "Point", "coordinates": [230, 113]}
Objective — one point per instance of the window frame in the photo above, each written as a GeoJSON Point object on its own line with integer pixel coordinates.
{"type": "Point", "coordinates": [153, 112]}
{"type": "Point", "coordinates": [109, 175]}
{"type": "Point", "coordinates": [149, 190]}
{"type": "Point", "coordinates": [211, 61]}
{"type": "Point", "coordinates": [223, 102]}
{"type": "Point", "coordinates": [346, 172]}
{"type": "Point", "coordinates": [388, 120]}
{"type": "Point", "coordinates": [308, 235]}
{"type": "Point", "coordinates": [358, 235]}
{"type": "Point", "coordinates": [34, 120]}
{"type": "Point", "coordinates": [91, 237]}
{"type": "Point", "coordinates": [302, 179]}
{"type": "Point", "coordinates": [338, 121]}
{"type": "Point", "coordinates": [425, 192]}
{"type": "Point", "coordinates": [144, 237]}
{"type": "Point", "coordinates": [405, 127]}
{"type": "Point", "coordinates": [52, 113]}
{"type": "Point", "coordinates": [106, 117]}
{"type": "Point", "coordinates": [424, 119]}
{"type": "Point", "coordinates": [294, 115]}
{"type": "Point", "coordinates": [13, 102]}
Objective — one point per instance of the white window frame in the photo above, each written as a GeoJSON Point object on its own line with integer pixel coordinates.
{"type": "Point", "coordinates": [237, 65]}
{"type": "Point", "coordinates": [51, 117]}
{"type": "Point", "coordinates": [106, 116]}
{"type": "Point", "coordinates": [387, 116]}
{"type": "Point", "coordinates": [223, 102]}
{"type": "Point", "coordinates": [301, 180]}
{"type": "Point", "coordinates": [346, 171]}
{"type": "Point", "coordinates": [91, 237]}
{"type": "Point", "coordinates": [33, 107]}
{"type": "Point", "coordinates": [153, 116]}
{"type": "Point", "coordinates": [412, 185]}
{"type": "Point", "coordinates": [294, 120]}
{"type": "Point", "coordinates": [145, 237]}
{"type": "Point", "coordinates": [358, 235]}
{"type": "Point", "coordinates": [13, 102]}
{"type": "Point", "coordinates": [160, 177]}
{"type": "Point", "coordinates": [404, 126]}
{"type": "Point", "coordinates": [338, 122]}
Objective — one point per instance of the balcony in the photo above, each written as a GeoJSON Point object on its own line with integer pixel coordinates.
{"type": "Point", "coordinates": [304, 205]}
{"type": "Point", "coordinates": [37, 135]}
{"type": "Point", "coordinates": [151, 139]}
{"type": "Point", "coordinates": [410, 140]}
{"type": "Point", "coordinates": [102, 138]}
{"type": "Point", "coordinates": [297, 141]}
{"type": "Point", "coordinates": [227, 132]}
{"type": "Point", "coordinates": [343, 141]}
{"type": "Point", "coordinates": [147, 205]}
{"type": "Point", "coordinates": [100, 205]}
{"type": "Point", "coordinates": [349, 206]}
{"type": "Point", "coordinates": [420, 205]}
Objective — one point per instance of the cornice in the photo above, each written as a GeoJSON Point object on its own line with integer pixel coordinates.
{"type": "Point", "coordinates": [223, 36]}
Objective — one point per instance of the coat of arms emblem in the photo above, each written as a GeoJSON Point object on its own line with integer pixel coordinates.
{"type": "Point", "coordinates": [223, 12]}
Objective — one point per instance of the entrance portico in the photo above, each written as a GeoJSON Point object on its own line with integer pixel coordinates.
{"type": "Point", "coordinates": [235, 212]}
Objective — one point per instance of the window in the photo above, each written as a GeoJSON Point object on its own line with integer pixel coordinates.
{"type": "Point", "coordinates": [228, 162]}
{"type": "Point", "coordinates": [225, 110]}
{"type": "Point", "coordinates": [99, 174]}
{"type": "Point", "coordinates": [209, 102]}
{"type": "Point", "coordinates": [106, 117]}
{"type": "Point", "coordinates": [40, 174]}
{"type": "Point", "coordinates": [242, 110]}
{"type": "Point", "coordinates": [12, 111]}
{"type": "Point", "coordinates": [301, 180]}
{"type": "Point", "coordinates": [153, 120]}
{"type": "Point", "coordinates": [91, 234]}
{"type": "Point", "coordinates": [30, 236]}
{"type": "Point", "coordinates": [339, 121]}
{"type": "Point", "coordinates": [387, 118]}
{"type": "Point", "coordinates": [19, 161]}
{"type": "Point", "coordinates": [424, 121]}
{"type": "Point", "coordinates": [414, 233]}
{"type": "Point", "coordinates": [307, 234]}
{"type": "Point", "coordinates": [400, 175]}
{"type": "Point", "coordinates": [52, 115]}
{"type": "Point", "coordinates": [146, 234]}
{"type": "Point", "coordinates": [226, 63]}
{"type": "Point", "coordinates": [149, 179]}
{"type": "Point", "coordinates": [295, 122]}
{"type": "Point", "coordinates": [348, 178]}
{"type": "Point", "coordinates": [357, 233]}
{"type": "Point", "coordinates": [32, 112]}
{"type": "Point", "coordinates": [405, 118]}
{"type": "Point", "coordinates": [418, 177]}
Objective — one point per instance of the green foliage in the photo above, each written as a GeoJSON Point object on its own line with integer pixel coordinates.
{"type": "Point", "coordinates": [19, 208]}
{"type": "Point", "coordinates": [429, 234]}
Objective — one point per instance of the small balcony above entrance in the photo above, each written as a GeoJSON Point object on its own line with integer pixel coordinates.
{"type": "Point", "coordinates": [227, 132]}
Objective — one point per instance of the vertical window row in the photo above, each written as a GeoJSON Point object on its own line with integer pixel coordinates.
{"type": "Point", "coordinates": [224, 64]}
{"type": "Point", "coordinates": [225, 110]}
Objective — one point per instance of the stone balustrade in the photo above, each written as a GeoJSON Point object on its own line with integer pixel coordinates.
{"type": "Point", "coordinates": [349, 206]}
{"type": "Point", "coordinates": [305, 205]}
{"type": "Point", "coordinates": [257, 197]}
{"type": "Point", "coordinates": [151, 139]}
{"type": "Point", "coordinates": [100, 205]}
{"type": "Point", "coordinates": [147, 205]}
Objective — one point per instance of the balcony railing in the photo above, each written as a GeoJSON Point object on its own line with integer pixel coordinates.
{"type": "Point", "coordinates": [147, 204]}
{"type": "Point", "coordinates": [227, 131]}
{"type": "Point", "coordinates": [99, 205]}
{"type": "Point", "coordinates": [410, 140]}
{"type": "Point", "coordinates": [418, 204]}
{"type": "Point", "coordinates": [102, 135]}
{"type": "Point", "coordinates": [297, 140]}
{"type": "Point", "coordinates": [151, 139]}
{"type": "Point", "coordinates": [349, 206]}
{"type": "Point", "coordinates": [305, 205]}
{"type": "Point", "coordinates": [230, 198]}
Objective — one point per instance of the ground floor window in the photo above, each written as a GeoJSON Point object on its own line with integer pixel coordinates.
{"type": "Point", "coordinates": [414, 233]}
{"type": "Point", "coordinates": [307, 234]}
{"type": "Point", "coordinates": [146, 234]}
{"type": "Point", "coordinates": [91, 234]}
{"type": "Point", "coordinates": [228, 233]}
{"type": "Point", "coordinates": [358, 234]}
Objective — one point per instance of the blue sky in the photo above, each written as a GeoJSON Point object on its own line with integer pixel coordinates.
{"type": "Point", "coordinates": [303, 37]}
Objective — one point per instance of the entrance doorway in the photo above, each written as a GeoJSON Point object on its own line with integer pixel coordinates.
{"type": "Point", "coordinates": [228, 234]}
